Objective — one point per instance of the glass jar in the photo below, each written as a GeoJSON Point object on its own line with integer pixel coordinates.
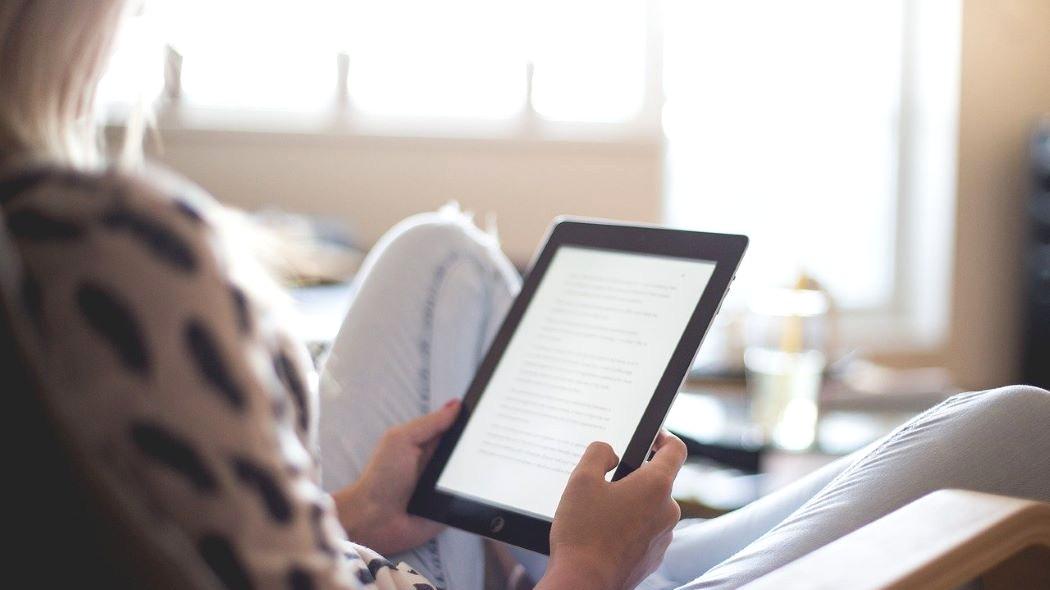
{"type": "Point", "coordinates": [784, 361]}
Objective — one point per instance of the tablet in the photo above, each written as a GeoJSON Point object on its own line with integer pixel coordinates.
{"type": "Point", "coordinates": [594, 348]}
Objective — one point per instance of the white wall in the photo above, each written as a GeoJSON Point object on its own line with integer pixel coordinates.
{"type": "Point", "coordinates": [1005, 86]}
{"type": "Point", "coordinates": [372, 182]}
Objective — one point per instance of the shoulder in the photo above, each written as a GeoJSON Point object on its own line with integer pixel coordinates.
{"type": "Point", "coordinates": [91, 251]}
{"type": "Point", "coordinates": [48, 204]}
{"type": "Point", "coordinates": [150, 270]}
{"type": "Point", "coordinates": [102, 253]}
{"type": "Point", "coordinates": [60, 222]}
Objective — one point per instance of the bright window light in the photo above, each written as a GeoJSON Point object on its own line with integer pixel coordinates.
{"type": "Point", "coordinates": [253, 54]}
{"type": "Point", "coordinates": [782, 120]}
{"type": "Point", "coordinates": [136, 75]}
{"type": "Point", "coordinates": [589, 58]}
{"type": "Point", "coordinates": [422, 58]}
{"type": "Point", "coordinates": [408, 59]}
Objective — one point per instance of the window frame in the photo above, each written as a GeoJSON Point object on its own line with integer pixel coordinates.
{"type": "Point", "coordinates": [340, 117]}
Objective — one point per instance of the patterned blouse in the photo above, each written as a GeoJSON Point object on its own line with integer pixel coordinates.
{"type": "Point", "coordinates": [176, 379]}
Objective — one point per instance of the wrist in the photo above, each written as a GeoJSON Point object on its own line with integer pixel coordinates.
{"type": "Point", "coordinates": [354, 511]}
{"type": "Point", "coordinates": [576, 570]}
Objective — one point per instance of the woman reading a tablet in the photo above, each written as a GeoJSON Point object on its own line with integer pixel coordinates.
{"type": "Point", "coordinates": [166, 359]}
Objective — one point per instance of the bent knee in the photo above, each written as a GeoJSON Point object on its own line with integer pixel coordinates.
{"type": "Point", "coordinates": [442, 243]}
{"type": "Point", "coordinates": [447, 225]}
{"type": "Point", "coordinates": [1014, 403]}
{"type": "Point", "coordinates": [1018, 398]}
{"type": "Point", "coordinates": [438, 233]}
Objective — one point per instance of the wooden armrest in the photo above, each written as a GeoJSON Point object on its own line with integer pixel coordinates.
{"type": "Point", "coordinates": [942, 540]}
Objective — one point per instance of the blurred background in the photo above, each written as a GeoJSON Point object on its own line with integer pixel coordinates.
{"type": "Point", "coordinates": [884, 156]}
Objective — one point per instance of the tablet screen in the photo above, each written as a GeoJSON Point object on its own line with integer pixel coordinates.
{"type": "Point", "coordinates": [582, 366]}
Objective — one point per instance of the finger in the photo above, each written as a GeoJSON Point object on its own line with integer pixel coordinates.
{"type": "Point", "coordinates": [428, 450]}
{"type": "Point", "coordinates": [662, 438]}
{"type": "Point", "coordinates": [598, 459]}
{"type": "Point", "coordinates": [669, 453]}
{"type": "Point", "coordinates": [430, 426]}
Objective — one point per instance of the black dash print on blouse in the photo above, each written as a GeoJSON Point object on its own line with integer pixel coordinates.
{"type": "Point", "coordinates": [31, 224]}
{"type": "Point", "coordinates": [111, 318]}
{"type": "Point", "coordinates": [288, 375]}
{"type": "Point", "coordinates": [33, 299]}
{"type": "Point", "coordinates": [205, 352]}
{"type": "Point", "coordinates": [161, 241]}
{"type": "Point", "coordinates": [224, 562]}
{"type": "Point", "coordinates": [240, 307]}
{"type": "Point", "coordinates": [365, 577]}
{"type": "Point", "coordinates": [167, 448]}
{"type": "Point", "coordinates": [187, 211]}
{"type": "Point", "coordinates": [14, 186]}
{"type": "Point", "coordinates": [317, 519]}
{"type": "Point", "coordinates": [379, 563]}
{"type": "Point", "coordinates": [299, 580]}
{"type": "Point", "coordinates": [256, 477]}
{"type": "Point", "coordinates": [23, 184]}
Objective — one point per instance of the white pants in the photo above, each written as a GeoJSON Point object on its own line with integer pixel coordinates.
{"type": "Point", "coordinates": [432, 294]}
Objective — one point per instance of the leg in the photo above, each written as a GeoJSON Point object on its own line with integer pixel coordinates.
{"type": "Point", "coordinates": [431, 293]}
{"type": "Point", "coordinates": [994, 441]}
{"type": "Point", "coordinates": [700, 545]}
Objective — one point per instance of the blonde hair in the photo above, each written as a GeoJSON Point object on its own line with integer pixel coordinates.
{"type": "Point", "coordinates": [52, 54]}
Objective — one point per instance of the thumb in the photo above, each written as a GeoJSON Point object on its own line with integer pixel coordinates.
{"type": "Point", "coordinates": [669, 453]}
{"type": "Point", "coordinates": [597, 460]}
{"type": "Point", "coordinates": [430, 426]}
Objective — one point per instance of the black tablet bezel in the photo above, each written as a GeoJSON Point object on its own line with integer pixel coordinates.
{"type": "Point", "coordinates": [528, 531]}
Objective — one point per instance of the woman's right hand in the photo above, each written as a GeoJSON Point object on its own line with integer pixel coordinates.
{"type": "Point", "coordinates": [611, 535]}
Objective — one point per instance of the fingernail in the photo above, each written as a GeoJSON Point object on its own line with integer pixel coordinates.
{"type": "Point", "coordinates": [450, 403]}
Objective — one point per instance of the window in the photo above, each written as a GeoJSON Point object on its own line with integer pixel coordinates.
{"type": "Point", "coordinates": [781, 116]}
{"type": "Point", "coordinates": [431, 64]}
{"type": "Point", "coordinates": [590, 59]}
{"type": "Point", "coordinates": [581, 61]}
{"type": "Point", "coordinates": [254, 54]}
{"type": "Point", "coordinates": [804, 124]}
{"type": "Point", "coordinates": [136, 69]}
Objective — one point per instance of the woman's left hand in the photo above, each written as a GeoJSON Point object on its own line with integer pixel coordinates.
{"type": "Point", "coordinates": [373, 510]}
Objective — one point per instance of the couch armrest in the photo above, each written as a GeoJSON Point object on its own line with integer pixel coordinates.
{"type": "Point", "coordinates": [941, 540]}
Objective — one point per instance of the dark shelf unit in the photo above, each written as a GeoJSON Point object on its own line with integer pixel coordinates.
{"type": "Point", "coordinates": [1035, 360]}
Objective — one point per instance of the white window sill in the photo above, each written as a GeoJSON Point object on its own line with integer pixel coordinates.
{"type": "Point", "coordinates": [327, 124]}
